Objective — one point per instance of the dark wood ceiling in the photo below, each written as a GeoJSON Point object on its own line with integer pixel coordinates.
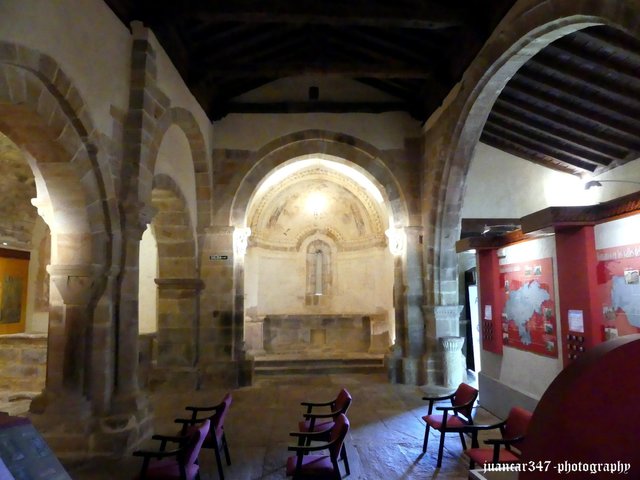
{"type": "Point", "coordinates": [413, 50]}
{"type": "Point", "coordinates": [575, 106]}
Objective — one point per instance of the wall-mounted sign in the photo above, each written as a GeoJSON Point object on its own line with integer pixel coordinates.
{"type": "Point", "coordinates": [576, 321]}
{"type": "Point", "coordinates": [218, 257]}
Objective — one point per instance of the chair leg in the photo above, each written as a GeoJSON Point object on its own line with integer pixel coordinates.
{"type": "Point", "coordinates": [440, 450]}
{"type": "Point", "coordinates": [426, 438]}
{"type": "Point", "coordinates": [462, 441]}
{"type": "Point", "coordinates": [219, 462]}
{"type": "Point", "coordinates": [343, 454]}
{"type": "Point", "coordinates": [225, 445]}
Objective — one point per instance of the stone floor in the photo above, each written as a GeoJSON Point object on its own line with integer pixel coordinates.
{"type": "Point", "coordinates": [385, 440]}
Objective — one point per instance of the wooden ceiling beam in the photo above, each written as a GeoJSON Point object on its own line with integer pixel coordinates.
{"type": "Point", "coordinates": [599, 38]}
{"type": "Point", "coordinates": [555, 141]}
{"type": "Point", "coordinates": [556, 96]}
{"type": "Point", "coordinates": [588, 75]}
{"type": "Point", "coordinates": [346, 69]}
{"type": "Point", "coordinates": [578, 133]}
{"type": "Point", "coordinates": [317, 107]}
{"type": "Point", "coordinates": [496, 141]}
{"type": "Point", "coordinates": [542, 147]}
{"type": "Point", "coordinates": [565, 115]}
{"type": "Point", "coordinates": [431, 15]}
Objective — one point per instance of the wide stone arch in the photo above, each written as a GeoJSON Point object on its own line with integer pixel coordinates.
{"type": "Point", "coordinates": [186, 121]}
{"type": "Point", "coordinates": [449, 143]}
{"type": "Point", "coordinates": [43, 113]}
{"type": "Point", "coordinates": [377, 166]}
{"type": "Point", "coordinates": [312, 142]}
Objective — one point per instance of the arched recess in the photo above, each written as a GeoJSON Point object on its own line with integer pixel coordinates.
{"type": "Point", "coordinates": [352, 152]}
{"type": "Point", "coordinates": [449, 144]}
{"type": "Point", "coordinates": [188, 124]}
{"type": "Point", "coordinates": [44, 115]}
{"type": "Point", "coordinates": [177, 281]}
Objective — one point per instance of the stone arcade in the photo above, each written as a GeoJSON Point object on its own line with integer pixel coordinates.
{"type": "Point", "coordinates": [167, 249]}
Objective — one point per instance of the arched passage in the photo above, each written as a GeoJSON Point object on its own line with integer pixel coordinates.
{"type": "Point", "coordinates": [367, 160]}
{"type": "Point", "coordinates": [49, 127]}
{"type": "Point", "coordinates": [525, 30]}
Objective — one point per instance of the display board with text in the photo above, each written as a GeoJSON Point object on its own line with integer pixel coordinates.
{"type": "Point", "coordinates": [529, 314]}
{"type": "Point", "coordinates": [619, 290]}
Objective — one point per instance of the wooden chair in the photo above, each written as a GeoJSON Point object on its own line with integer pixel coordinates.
{"type": "Point", "coordinates": [462, 401]}
{"type": "Point", "coordinates": [216, 439]}
{"type": "Point", "coordinates": [512, 430]}
{"type": "Point", "coordinates": [307, 465]}
{"type": "Point", "coordinates": [324, 422]}
{"type": "Point", "coordinates": [180, 463]}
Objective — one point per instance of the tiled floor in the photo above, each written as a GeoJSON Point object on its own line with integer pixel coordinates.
{"type": "Point", "coordinates": [385, 440]}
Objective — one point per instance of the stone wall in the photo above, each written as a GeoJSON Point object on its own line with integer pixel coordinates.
{"type": "Point", "coordinates": [23, 364]}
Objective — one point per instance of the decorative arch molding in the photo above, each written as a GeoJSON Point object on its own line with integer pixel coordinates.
{"type": "Point", "coordinates": [314, 142]}
{"type": "Point", "coordinates": [44, 114]}
{"type": "Point", "coordinates": [47, 118]}
{"type": "Point", "coordinates": [455, 130]}
{"type": "Point", "coordinates": [186, 121]}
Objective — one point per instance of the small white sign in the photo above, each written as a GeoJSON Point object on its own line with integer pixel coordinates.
{"type": "Point", "coordinates": [576, 321]}
{"type": "Point", "coordinates": [488, 312]}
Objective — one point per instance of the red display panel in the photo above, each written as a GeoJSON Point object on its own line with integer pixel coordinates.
{"type": "Point", "coordinates": [618, 290]}
{"type": "Point", "coordinates": [529, 313]}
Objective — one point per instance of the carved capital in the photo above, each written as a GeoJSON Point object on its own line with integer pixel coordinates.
{"type": "Point", "coordinates": [77, 284]}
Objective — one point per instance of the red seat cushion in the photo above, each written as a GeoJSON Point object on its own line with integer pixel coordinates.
{"type": "Point", "coordinates": [435, 421]}
{"type": "Point", "coordinates": [312, 466]}
{"type": "Point", "coordinates": [168, 469]}
{"type": "Point", "coordinates": [319, 426]}
{"type": "Point", "coordinates": [485, 455]}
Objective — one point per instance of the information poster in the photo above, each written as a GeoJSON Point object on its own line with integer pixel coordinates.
{"type": "Point", "coordinates": [528, 317]}
{"type": "Point", "coordinates": [619, 289]}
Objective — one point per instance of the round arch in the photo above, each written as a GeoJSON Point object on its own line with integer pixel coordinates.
{"type": "Point", "coordinates": [43, 113]}
{"type": "Point", "coordinates": [318, 142]}
{"type": "Point", "coordinates": [186, 121]}
{"type": "Point", "coordinates": [528, 27]}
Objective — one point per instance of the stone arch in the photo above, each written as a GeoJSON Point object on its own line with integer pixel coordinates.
{"type": "Point", "coordinates": [376, 165]}
{"type": "Point", "coordinates": [313, 142]}
{"type": "Point", "coordinates": [186, 121]}
{"type": "Point", "coordinates": [528, 27]}
{"type": "Point", "coordinates": [177, 281]}
{"type": "Point", "coordinates": [43, 113]}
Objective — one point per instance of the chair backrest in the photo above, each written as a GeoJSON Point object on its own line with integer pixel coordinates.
{"type": "Point", "coordinates": [517, 423]}
{"type": "Point", "coordinates": [342, 402]}
{"type": "Point", "coordinates": [196, 433]}
{"type": "Point", "coordinates": [465, 394]}
{"type": "Point", "coordinates": [338, 433]}
{"type": "Point", "coordinates": [217, 421]}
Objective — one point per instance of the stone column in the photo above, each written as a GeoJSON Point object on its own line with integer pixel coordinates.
{"type": "Point", "coordinates": [63, 411]}
{"type": "Point", "coordinates": [452, 361]}
{"type": "Point", "coordinates": [440, 321]}
{"type": "Point", "coordinates": [178, 331]}
{"type": "Point", "coordinates": [404, 360]}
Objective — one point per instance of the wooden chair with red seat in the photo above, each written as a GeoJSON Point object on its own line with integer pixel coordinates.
{"type": "Point", "coordinates": [323, 422]}
{"type": "Point", "coordinates": [513, 431]}
{"type": "Point", "coordinates": [308, 465]}
{"type": "Point", "coordinates": [180, 463]}
{"type": "Point", "coordinates": [462, 401]}
{"type": "Point", "coordinates": [216, 439]}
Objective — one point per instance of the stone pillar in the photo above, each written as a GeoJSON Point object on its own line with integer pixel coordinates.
{"type": "Point", "coordinates": [217, 307]}
{"type": "Point", "coordinates": [440, 321]}
{"type": "Point", "coordinates": [63, 411]}
{"type": "Point", "coordinates": [404, 363]}
{"type": "Point", "coordinates": [453, 372]}
{"type": "Point", "coordinates": [177, 331]}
